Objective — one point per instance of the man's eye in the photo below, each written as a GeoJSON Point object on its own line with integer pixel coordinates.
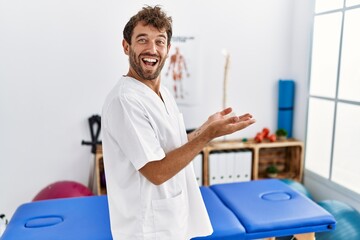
{"type": "Point", "coordinates": [141, 40]}
{"type": "Point", "coordinates": [161, 42]}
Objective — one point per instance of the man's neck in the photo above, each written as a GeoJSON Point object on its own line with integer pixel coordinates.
{"type": "Point", "coordinates": [153, 84]}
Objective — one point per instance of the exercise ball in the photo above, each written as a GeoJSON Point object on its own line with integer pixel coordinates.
{"type": "Point", "coordinates": [297, 186]}
{"type": "Point", "coordinates": [347, 221]}
{"type": "Point", "coordinates": [63, 189]}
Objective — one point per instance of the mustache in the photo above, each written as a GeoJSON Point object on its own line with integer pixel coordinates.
{"type": "Point", "coordinates": [149, 55]}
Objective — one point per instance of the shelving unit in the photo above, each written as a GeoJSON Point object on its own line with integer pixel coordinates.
{"type": "Point", "coordinates": [287, 155]}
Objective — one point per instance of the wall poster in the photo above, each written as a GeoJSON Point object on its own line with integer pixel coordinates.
{"type": "Point", "coordinates": [180, 72]}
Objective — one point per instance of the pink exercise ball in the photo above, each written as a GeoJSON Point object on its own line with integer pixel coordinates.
{"type": "Point", "coordinates": [63, 189]}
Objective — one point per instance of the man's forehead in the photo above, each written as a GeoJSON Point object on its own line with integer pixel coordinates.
{"type": "Point", "coordinates": [141, 29]}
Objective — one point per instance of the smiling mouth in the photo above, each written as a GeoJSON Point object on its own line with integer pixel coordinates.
{"type": "Point", "coordinates": [149, 61]}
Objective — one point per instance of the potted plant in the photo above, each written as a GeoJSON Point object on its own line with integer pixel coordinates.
{"type": "Point", "coordinates": [281, 134]}
{"type": "Point", "coordinates": [272, 171]}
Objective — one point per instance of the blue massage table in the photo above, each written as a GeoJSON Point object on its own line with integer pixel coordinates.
{"type": "Point", "coordinates": [244, 210]}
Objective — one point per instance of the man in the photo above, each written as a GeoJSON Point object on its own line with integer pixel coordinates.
{"type": "Point", "coordinates": [151, 185]}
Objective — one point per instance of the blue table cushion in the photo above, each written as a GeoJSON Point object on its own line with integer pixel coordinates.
{"type": "Point", "coordinates": [82, 218]}
{"type": "Point", "coordinates": [271, 208]}
{"type": "Point", "coordinates": [225, 224]}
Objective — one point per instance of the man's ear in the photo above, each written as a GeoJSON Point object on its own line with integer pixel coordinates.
{"type": "Point", "coordinates": [126, 46]}
{"type": "Point", "coordinates": [168, 49]}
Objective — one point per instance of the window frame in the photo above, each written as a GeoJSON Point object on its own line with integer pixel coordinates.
{"type": "Point", "coordinates": [313, 175]}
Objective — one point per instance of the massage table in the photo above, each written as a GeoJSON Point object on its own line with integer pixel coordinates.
{"type": "Point", "coordinates": [243, 210]}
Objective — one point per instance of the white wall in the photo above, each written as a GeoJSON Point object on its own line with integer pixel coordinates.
{"type": "Point", "coordinates": [300, 61]}
{"type": "Point", "coordinates": [59, 58]}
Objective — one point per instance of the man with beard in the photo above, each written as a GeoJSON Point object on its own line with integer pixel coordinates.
{"type": "Point", "coordinates": [151, 185]}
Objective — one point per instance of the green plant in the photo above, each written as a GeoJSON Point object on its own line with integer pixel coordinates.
{"type": "Point", "coordinates": [272, 169]}
{"type": "Point", "coordinates": [281, 132]}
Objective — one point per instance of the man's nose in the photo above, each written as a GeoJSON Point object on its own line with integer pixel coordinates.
{"type": "Point", "coordinates": [152, 47]}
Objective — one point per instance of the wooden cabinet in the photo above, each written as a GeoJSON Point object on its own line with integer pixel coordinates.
{"type": "Point", "coordinates": [100, 172]}
{"type": "Point", "coordinates": [287, 155]}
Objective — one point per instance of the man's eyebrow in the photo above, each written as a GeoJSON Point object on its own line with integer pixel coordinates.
{"type": "Point", "coordinates": [141, 35]}
{"type": "Point", "coordinates": [162, 35]}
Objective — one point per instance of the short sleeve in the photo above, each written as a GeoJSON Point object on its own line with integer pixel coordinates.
{"type": "Point", "coordinates": [129, 126]}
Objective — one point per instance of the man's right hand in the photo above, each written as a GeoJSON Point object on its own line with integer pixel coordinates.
{"type": "Point", "coordinates": [222, 123]}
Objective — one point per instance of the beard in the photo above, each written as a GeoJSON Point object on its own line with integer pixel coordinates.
{"type": "Point", "coordinates": [135, 63]}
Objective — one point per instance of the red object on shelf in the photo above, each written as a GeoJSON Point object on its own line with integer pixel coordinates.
{"type": "Point", "coordinates": [259, 137]}
{"type": "Point", "coordinates": [265, 134]}
{"type": "Point", "coordinates": [272, 137]}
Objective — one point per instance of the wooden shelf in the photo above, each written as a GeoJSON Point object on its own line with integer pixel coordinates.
{"type": "Point", "coordinates": [288, 155]}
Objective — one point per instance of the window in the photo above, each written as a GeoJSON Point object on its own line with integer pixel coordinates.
{"type": "Point", "coordinates": [349, 85]}
{"type": "Point", "coordinates": [325, 55]}
{"type": "Point", "coordinates": [346, 162]}
{"type": "Point", "coordinates": [319, 136]}
{"type": "Point", "coordinates": [328, 5]}
{"type": "Point", "coordinates": [350, 3]}
{"type": "Point", "coordinates": [333, 125]}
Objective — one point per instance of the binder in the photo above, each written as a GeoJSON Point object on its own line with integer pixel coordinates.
{"type": "Point", "coordinates": [213, 168]}
{"type": "Point", "coordinates": [230, 161]}
{"type": "Point", "coordinates": [243, 166]}
{"type": "Point", "coordinates": [198, 169]}
{"type": "Point", "coordinates": [237, 167]}
{"type": "Point", "coordinates": [222, 167]}
{"type": "Point", "coordinates": [246, 165]}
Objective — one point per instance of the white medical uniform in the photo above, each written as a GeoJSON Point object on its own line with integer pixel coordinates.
{"type": "Point", "coordinates": [138, 127]}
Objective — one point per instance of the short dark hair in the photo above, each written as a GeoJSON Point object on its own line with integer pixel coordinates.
{"type": "Point", "coordinates": [149, 15]}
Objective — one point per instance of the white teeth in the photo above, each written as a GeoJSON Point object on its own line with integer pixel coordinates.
{"type": "Point", "coordinates": [149, 60]}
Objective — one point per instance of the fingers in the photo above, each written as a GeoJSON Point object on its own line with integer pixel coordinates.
{"type": "Point", "coordinates": [235, 119]}
{"type": "Point", "coordinates": [229, 125]}
{"type": "Point", "coordinates": [226, 111]}
{"type": "Point", "coordinates": [239, 125]}
{"type": "Point", "coordinates": [241, 122]}
{"type": "Point", "coordinates": [245, 116]}
{"type": "Point", "coordinates": [220, 115]}
{"type": "Point", "coordinates": [249, 121]}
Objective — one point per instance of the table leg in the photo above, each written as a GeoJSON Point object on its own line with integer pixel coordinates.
{"type": "Point", "coordinates": [305, 236]}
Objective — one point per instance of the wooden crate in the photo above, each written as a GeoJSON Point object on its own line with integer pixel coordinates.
{"type": "Point", "coordinates": [286, 159]}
